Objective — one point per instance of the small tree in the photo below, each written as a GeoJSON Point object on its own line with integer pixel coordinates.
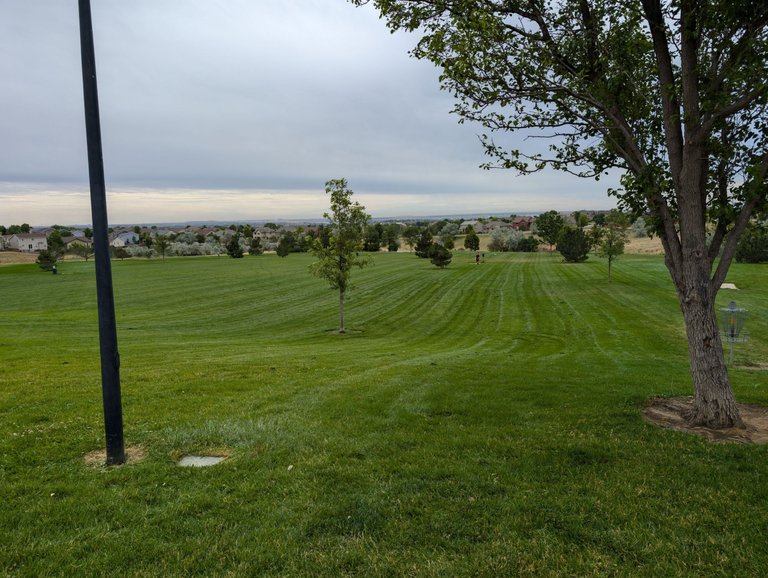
{"type": "Point", "coordinates": [84, 250]}
{"type": "Point", "coordinates": [255, 247]}
{"type": "Point", "coordinates": [440, 256]}
{"type": "Point", "coordinates": [612, 237]}
{"type": "Point", "coordinates": [448, 235]}
{"type": "Point", "coordinates": [424, 244]}
{"type": "Point", "coordinates": [335, 261]}
{"type": "Point", "coordinates": [548, 227]}
{"type": "Point", "coordinates": [411, 236]}
{"type": "Point", "coordinates": [119, 253]}
{"type": "Point", "coordinates": [390, 237]}
{"type": "Point", "coordinates": [56, 245]}
{"type": "Point", "coordinates": [284, 245]}
{"type": "Point", "coordinates": [573, 244]}
{"type": "Point", "coordinates": [233, 247]}
{"type": "Point", "coordinates": [161, 245]}
{"type": "Point", "coordinates": [581, 219]}
{"type": "Point", "coordinates": [47, 259]}
{"type": "Point", "coordinates": [471, 241]}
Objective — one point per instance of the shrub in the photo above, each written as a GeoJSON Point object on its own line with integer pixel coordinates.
{"type": "Point", "coordinates": [753, 246]}
{"type": "Point", "coordinates": [573, 244]}
{"type": "Point", "coordinates": [139, 251]}
{"type": "Point", "coordinates": [440, 256]}
{"type": "Point", "coordinates": [528, 245]}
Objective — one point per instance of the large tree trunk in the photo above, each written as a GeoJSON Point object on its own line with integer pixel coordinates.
{"type": "Point", "coordinates": [341, 311]}
{"type": "Point", "coordinates": [714, 404]}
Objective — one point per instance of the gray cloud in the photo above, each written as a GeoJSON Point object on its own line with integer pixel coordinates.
{"type": "Point", "coordinates": [236, 94]}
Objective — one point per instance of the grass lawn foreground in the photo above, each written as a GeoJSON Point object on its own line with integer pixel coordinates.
{"type": "Point", "coordinates": [482, 420]}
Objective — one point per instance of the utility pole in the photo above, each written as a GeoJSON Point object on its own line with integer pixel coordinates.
{"type": "Point", "coordinates": [110, 358]}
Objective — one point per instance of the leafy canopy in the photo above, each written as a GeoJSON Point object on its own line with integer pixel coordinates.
{"type": "Point", "coordinates": [347, 223]}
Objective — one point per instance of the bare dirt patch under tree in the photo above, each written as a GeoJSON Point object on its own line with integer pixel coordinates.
{"type": "Point", "coordinates": [670, 412]}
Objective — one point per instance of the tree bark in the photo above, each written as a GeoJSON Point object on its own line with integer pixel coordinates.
{"type": "Point", "coordinates": [341, 311]}
{"type": "Point", "coordinates": [714, 404]}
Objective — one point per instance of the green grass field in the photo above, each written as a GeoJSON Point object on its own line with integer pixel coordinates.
{"type": "Point", "coordinates": [475, 421]}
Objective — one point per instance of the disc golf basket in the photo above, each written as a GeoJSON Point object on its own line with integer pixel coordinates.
{"type": "Point", "coordinates": [732, 320]}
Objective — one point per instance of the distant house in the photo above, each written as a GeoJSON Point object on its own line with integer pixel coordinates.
{"type": "Point", "coordinates": [523, 223]}
{"type": "Point", "coordinates": [70, 242]}
{"type": "Point", "coordinates": [123, 239]}
{"type": "Point", "coordinates": [28, 242]}
{"type": "Point", "coordinates": [492, 226]}
{"type": "Point", "coordinates": [476, 225]}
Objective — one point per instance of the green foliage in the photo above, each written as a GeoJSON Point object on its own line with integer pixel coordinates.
{"type": "Point", "coordinates": [573, 244]}
{"type": "Point", "coordinates": [162, 243]}
{"type": "Point", "coordinates": [233, 247]}
{"type": "Point", "coordinates": [84, 250]}
{"type": "Point", "coordinates": [16, 229]}
{"type": "Point", "coordinates": [424, 243]}
{"type": "Point", "coordinates": [255, 247]}
{"type": "Point", "coordinates": [548, 227]}
{"type": "Point", "coordinates": [505, 240]}
{"type": "Point", "coordinates": [284, 246]}
{"type": "Point", "coordinates": [347, 223]}
{"type": "Point", "coordinates": [612, 237]}
{"type": "Point", "coordinates": [440, 256]}
{"type": "Point", "coordinates": [390, 237]}
{"type": "Point", "coordinates": [56, 244]}
{"type": "Point", "coordinates": [373, 238]}
{"type": "Point", "coordinates": [581, 219]}
{"type": "Point", "coordinates": [47, 259]}
{"type": "Point", "coordinates": [753, 246]}
{"type": "Point", "coordinates": [471, 240]}
{"type": "Point", "coordinates": [411, 235]}
{"type": "Point", "coordinates": [527, 245]}
{"type": "Point", "coordinates": [119, 253]}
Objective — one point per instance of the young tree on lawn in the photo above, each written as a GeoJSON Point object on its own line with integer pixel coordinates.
{"type": "Point", "coordinates": [347, 223]}
{"type": "Point", "coordinates": [255, 247]}
{"type": "Point", "coordinates": [411, 236]}
{"type": "Point", "coordinates": [47, 259]}
{"type": "Point", "coordinates": [440, 256]}
{"type": "Point", "coordinates": [471, 240]}
{"type": "Point", "coordinates": [424, 244]}
{"type": "Point", "coordinates": [612, 237]}
{"type": "Point", "coordinates": [233, 247]}
{"type": "Point", "coordinates": [84, 250]}
{"type": "Point", "coordinates": [56, 245]}
{"type": "Point", "coordinates": [161, 245]}
{"type": "Point", "coordinates": [447, 235]}
{"type": "Point", "coordinates": [548, 227]}
{"type": "Point", "coordinates": [390, 237]}
{"type": "Point", "coordinates": [670, 92]}
{"type": "Point", "coordinates": [573, 244]}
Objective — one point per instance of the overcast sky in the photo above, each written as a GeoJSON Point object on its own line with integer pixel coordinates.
{"type": "Point", "coordinates": [240, 110]}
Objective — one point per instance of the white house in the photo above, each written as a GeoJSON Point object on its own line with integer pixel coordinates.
{"type": "Point", "coordinates": [123, 239]}
{"type": "Point", "coordinates": [28, 242]}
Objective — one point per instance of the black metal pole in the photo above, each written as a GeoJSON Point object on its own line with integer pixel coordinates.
{"type": "Point", "coordinates": [110, 358]}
